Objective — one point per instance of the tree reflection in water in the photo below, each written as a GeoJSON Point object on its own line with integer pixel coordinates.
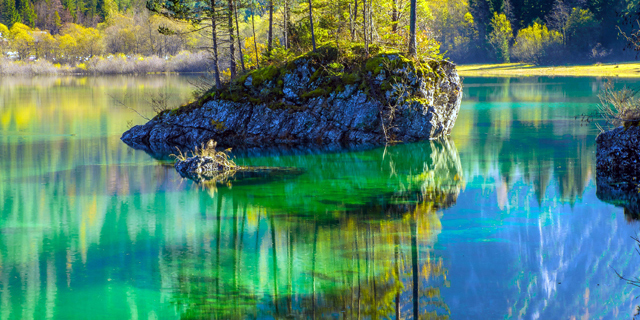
{"type": "Point", "coordinates": [368, 261]}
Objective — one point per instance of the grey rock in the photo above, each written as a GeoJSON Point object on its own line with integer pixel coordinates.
{"type": "Point", "coordinates": [618, 168]}
{"type": "Point", "coordinates": [351, 116]}
{"type": "Point", "coordinates": [618, 155]}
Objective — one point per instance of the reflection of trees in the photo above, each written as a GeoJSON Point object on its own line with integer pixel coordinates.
{"type": "Point", "coordinates": [367, 261]}
{"type": "Point", "coordinates": [351, 264]}
{"type": "Point", "coordinates": [50, 106]}
{"type": "Point", "coordinates": [72, 211]}
{"type": "Point", "coordinates": [527, 128]}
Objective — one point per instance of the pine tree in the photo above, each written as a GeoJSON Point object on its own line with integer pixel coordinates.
{"type": "Point", "coordinates": [10, 14]}
{"type": "Point", "coordinates": [57, 22]}
{"type": "Point", "coordinates": [28, 14]}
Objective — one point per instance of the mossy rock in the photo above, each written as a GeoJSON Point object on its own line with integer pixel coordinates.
{"type": "Point", "coordinates": [332, 69]}
{"type": "Point", "coordinates": [351, 78]}
{"type": "Point", "coordinates": [314, 94]}
{"type": "Point", "coordinates": [265, 74]}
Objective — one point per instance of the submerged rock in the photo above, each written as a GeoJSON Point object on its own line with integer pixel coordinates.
{"type": "Point", "coordinates": [622, 194]}
{"type": "Point", "coordinates": [618, 168]}
{"type": "Point", "coordinates": [314, 100]}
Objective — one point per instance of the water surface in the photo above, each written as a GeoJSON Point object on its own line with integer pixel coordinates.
{"type": "Point", "coordinates": [501, 220]}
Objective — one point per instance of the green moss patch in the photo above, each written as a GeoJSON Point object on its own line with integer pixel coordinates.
{"type": "Point", "coordinates": [333, 69]}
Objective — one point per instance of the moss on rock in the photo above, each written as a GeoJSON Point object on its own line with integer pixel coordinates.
{"type": "Point", "coordinates": [332, 69]}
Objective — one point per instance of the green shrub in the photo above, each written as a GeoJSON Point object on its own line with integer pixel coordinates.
{"type": "Point", "coordinates": [536, 44]}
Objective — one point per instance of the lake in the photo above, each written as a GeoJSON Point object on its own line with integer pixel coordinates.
{"type": "Point", "coordinates": [500, 220]}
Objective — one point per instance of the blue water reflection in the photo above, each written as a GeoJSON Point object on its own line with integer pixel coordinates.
{"type": "Point", "coordinates": [499, 221]}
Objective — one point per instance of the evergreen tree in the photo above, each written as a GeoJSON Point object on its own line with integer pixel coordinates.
{"type": "Point", "coordinates": [28, 14]}
{"type": "Point", "coordinates": [10, 14]}
{"type": "Point", "coordinates": [500, 36]}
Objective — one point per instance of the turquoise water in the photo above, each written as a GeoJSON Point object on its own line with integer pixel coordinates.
{"type": "Point", "coordinates": [501, 220]}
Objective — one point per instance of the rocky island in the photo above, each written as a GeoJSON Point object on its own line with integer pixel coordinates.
{"type": "Point", "coordinates": [322, 97]}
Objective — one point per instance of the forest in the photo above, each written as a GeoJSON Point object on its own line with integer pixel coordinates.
{"type": "Point", "coordinates": [245, 33]}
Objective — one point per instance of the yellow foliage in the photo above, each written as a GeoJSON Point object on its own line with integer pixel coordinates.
{"type": "Point", "coordinates": [535, 43]}
{"type": "Point", "coordinates": [427, 46]}
{"type": "Point", "coordinates": [226, 74]}
{"type": "Point", "coordinates": [4, 31]}
{"type": "Point", "coordinates": [22, 39]}
{"type": "Point", "coordinates": [250, 52]}
{"type": "Point", "coordinates": [87, 41]}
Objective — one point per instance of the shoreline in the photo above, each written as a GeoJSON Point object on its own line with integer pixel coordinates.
{"type": "Point", "coordinates": [630, 69]}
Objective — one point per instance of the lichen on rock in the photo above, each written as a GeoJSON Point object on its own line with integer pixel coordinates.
{"type": "Point", "coordinates": [320, 97]}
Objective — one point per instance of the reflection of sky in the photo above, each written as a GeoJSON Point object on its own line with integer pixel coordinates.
{"type": "Point", "coordinates": [82, 215]}
{"type": "Point", "coordinates": [528, 238]}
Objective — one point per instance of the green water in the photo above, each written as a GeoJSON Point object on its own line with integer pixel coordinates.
{"type": "Point", "coordinates": [501, 220]}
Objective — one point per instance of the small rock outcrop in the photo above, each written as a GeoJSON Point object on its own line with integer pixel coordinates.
{"type": "Point", "coordinates": [207, 165]}
{"type": "Point", "coordinates": [618, 155]}
{"type": "Point", "coordinates": [315, 99]}
{"type": "Point", "coordinates": [202, 168]}
{"type": "Point", "coordinates": [618, 168]}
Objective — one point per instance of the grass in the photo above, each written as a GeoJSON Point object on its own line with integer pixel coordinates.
{"type": "Point", "coordinates": [622, 69]}
{"type": "Point", "coordinates": [619, 107]}
{"type": "Point", "coordinates": [209, 150]}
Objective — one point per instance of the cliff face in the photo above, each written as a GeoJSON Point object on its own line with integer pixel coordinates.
{"type": "Point", "coordinates": [315, 99]}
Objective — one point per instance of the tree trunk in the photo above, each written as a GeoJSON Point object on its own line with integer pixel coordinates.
{"type": "Point", "coordinates": [413, 43]}
{"type": "Point", "coordinates": [394, 17]}
{"type": "Point", "coordinates": [232, 41]}
{"type": "Point", "coordinates": [253, 27]}
{"type": "Point", "coordinates": [214, 39]}
{"type": "Point", "coordinates": [270, 36]}
{"type": "Point", "coordinates": [355, 20]}
{"type": "Point", "coordinates": [285, 25]}
{"type": "Point", "coordinates": [364, 26]}
{"type": "Point", "coordinates": [313, 36]}
{"type": "Point", "coordinates": [235, 12]}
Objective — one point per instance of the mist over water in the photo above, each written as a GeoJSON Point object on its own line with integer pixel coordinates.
{"type": "Point", "coordinates": [501, 220]}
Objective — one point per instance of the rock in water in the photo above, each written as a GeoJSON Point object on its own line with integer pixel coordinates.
{"type": "Point", "coordinates": [314, 100]}
{"type": "Point", "coordinates": [618, 155]}
{"type": "Point", "coordinates": [618, 168]}
{"type": "Point", "coordinates": [200, 168]}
